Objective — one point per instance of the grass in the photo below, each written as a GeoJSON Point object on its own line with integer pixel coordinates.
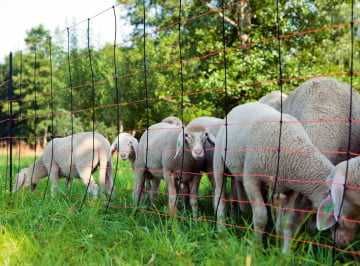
{"type": "Point", "coordinates": [53, 231]}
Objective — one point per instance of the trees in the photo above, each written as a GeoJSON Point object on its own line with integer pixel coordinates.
{"type": "Point", "coordinates": [314, 40]}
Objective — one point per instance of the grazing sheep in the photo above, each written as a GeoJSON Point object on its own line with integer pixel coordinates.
{"type": "Point", "coordinates": [126, 145]}
{"type": "Point", "coordinates": [55, 162]}
{"type": "Point", "coordinates": [164, 159]}
{"type": "Point", "coordinates": [273, 99]}
{"type": "Point", "coordinates": [253, 135]}
{"type": "Point", "coordinates": [332, 209]}
{"type": "Point", "coordinates": [322, 105]}
{"type": "Point", "coordinates": [172, 120]}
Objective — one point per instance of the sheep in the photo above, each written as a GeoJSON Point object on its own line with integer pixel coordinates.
{"type": "Point", "coordinates": [126, 145]}
{"type": "Point", "coordinates": [322, 105]}
{"type": "Point", "coordinates": [56, 158]}
{"type": "Point", "coordinates": [159, 149]}
{"type": "Point", "coordinates": [165, 159]}
{"type": "Point", "coordinates": [172, 120]}
{"type": "Point", "coordinates": [254, 129]}
{"type": "Point", "coordinates": [213, 125]}
{"type": "Point", "coordinates": [273, 99]}
{"type": "Point", "coordinates": [332, 210]}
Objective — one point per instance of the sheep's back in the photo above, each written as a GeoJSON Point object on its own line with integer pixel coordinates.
{"type": "Point", "coordinates": [161, 139]}
{"type": "Point", "coordinates": [322, 106]}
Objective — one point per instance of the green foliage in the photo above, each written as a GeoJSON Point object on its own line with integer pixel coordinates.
{"type": "Point", "coordinates": [315, 41]}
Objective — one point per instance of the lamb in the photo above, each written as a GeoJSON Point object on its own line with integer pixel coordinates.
{"type": "Point", "coordinates": [254, 129]}
{"type": "Point", "coordinates": [273, 99]}
{"type": "Point", "coordinates": [165, 159]}
{"type": "Point", "coordinates": [172, 120]}
{"type": "Point", "coordinates": [126, 145]}
{"type": "Point", "coordinates": [213, 125]}
{"type": "Point", "coordinates": [55, 161]}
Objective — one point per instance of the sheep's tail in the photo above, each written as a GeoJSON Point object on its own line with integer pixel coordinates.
{"type": "Point", "coordinates": [105, 179]}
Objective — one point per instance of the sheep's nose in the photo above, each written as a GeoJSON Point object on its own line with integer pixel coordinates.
{"type": "Point", "coordinates": [198, 152]}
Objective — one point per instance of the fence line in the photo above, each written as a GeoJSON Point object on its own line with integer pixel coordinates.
{"type": "Point", "coordinates": [180, 63]}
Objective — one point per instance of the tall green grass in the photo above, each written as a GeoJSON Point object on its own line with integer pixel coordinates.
{"type": "Point", "coordinates": [53, 231]}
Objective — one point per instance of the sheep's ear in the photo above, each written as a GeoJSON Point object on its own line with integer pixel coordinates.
{"type": "Point", "coordinates": [210, 138]}
{"type": "Point", "coordinates": [179, 144]}
{"type": "Point", "coordinates": [337, 192]}
{"type": "Point", "coordinates": [325, 218]}
{"type": "Point", "coordinates": [134, 145]}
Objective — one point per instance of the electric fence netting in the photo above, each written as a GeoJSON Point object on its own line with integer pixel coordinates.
{"type": "Point", "coordinates": [65, 84]}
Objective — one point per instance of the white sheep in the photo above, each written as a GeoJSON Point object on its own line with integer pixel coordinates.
{"type": "Point", "coordinates": [253, 135]}
{"type": "Point", "coordinates": [332, 209]}
{"type": "Point", "coordinates": [273, 99]}
{"type": "Point", "coordinates": [322, 105]}
{"type": "Point", "coordinates": [56, 157]}
{"type": "Point", "coordinates": [213, 125]}
{"type": "Point", "coordinates": [164, 159]}
{"type": "Point", "coordinates": [126, 145]}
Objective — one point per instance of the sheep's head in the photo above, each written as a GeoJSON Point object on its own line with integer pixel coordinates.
{"type": "Point", "coordinates": [125, 145]}
{"type": "Point", "coordinates": [194, 138]}
{"type": "Point", "coordinates": [338, 208]}
{"type": "Point", "coordinates": [23, 179]}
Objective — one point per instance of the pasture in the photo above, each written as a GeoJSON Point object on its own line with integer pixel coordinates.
{"type": "Point", "coordinates": [54, 232]}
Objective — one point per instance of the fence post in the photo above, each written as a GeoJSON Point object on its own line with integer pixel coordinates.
{"type": "Point", "coordinates": [10, 95]}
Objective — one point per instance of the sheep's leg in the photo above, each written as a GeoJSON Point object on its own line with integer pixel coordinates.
{"type": "Point", "coordinates": [219, 195]}
{"type": "Point", "coordinates": [194, 192]}
{"type": "Point", "coordinates": [240, 194]}
{"type": "Point", "coordinates": [253, 190]}
{"type": "Point", "coordinates": [234, 203]}
{"type": "Point", "coordinates": [139, 185]}
{"type": "Point", "coordinates": [54, 179]}
{"type": "Point", "coordinates": [185, 191]}
{"type": "Point", "coordinates": [88, 180]}
{"type": "Point", "coordinates": [109, 180]}
{"type": "Point", "coordinates": [210, 175]}
{"type": "Point", "coordinates": [154, 189]}
{"type": "Point", "coordinates": [170, 180]}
